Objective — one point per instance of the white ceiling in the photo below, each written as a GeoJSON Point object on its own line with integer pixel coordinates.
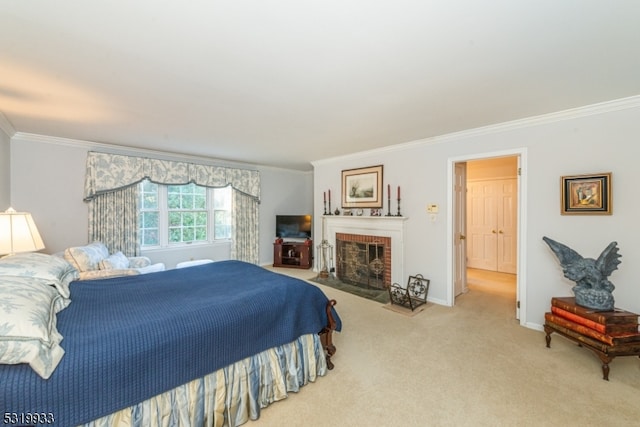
{"type": "Point", "coordinates": [287, 82]}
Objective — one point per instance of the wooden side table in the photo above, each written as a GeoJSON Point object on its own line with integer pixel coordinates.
{"type": "Point", "coordinates": [605, 352]}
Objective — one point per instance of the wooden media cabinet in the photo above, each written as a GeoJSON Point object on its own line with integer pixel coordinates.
{"type": "Point", "coordinates": [293, 254]}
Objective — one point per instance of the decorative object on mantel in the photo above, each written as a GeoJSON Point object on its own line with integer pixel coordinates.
{"type": "Point", "coordinates": [337, 212]}
{"type": "Point", "coordinates": [593, 289]}
{"type": "Point", "coordinates": [413, 296]}
{"type": "Point", "coordinates": [362, 188]}
{"type": "Point", "coordinates": [324, 196]}
{"type": "Point", "coordinates": [324, 202]}
{"type": "Point", "coordinates": [389, 201]}
{"type": "Point", "coordinates": [375, 212]}
{"type": "Point", "coordinates": [586, 194]}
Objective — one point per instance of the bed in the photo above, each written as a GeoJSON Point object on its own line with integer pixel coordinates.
{"type": "Point", "coordinates": [204, 345]}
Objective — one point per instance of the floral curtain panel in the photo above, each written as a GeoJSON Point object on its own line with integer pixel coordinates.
{"type": "Point", "coordinates": [244, 229]}
{"type": "Point", "coordinates": [113, 220]}
{"type": "Point", "coordinates": [109, 172]}
{"type": "Point", "coordinates": [110, 184]}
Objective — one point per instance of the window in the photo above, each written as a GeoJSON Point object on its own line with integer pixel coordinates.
{"type": "Point", "coordinates": [187, 208]}
{"type": "Point", "coordinates": [180, 214]}
{"type": "Point", "coordinates": [222, 213]}
{"type": "Point", "coordinates": [148, 224]}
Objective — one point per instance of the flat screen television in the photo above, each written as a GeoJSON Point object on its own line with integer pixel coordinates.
{"type": "Point", "coordinates": [293, 226]}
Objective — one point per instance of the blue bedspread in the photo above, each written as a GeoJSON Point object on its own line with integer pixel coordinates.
{"type": "Point", "coordinates": [127, 339]}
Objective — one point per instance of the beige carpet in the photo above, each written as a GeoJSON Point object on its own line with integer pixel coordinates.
{"type": "Point", "coordinates": [405, 311]}
{"type": "Point", "coordinates": [470, 365]}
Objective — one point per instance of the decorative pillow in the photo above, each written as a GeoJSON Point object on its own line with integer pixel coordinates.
{"type": "Point", "coordinates": [153, 268]}
{"type": "Point", "coordinates": [52, 270]}
{"type": "Point", "coordinates": [139, 261]}
{"type": "Point", "coordinates": [114, 262]}
{"type": "Point", "coordinates": [28, 331]}
{"type": "Point", "coordinates": [86, 258]}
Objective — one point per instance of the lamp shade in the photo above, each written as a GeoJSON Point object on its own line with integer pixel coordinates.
{"type": "Point", "coordinates": [18, 233]}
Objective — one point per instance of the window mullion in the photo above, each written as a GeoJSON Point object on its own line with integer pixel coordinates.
{"type": "Point", "coordinates": [211, 227]}
{"type": "Point", "coordinates": [164, 215]}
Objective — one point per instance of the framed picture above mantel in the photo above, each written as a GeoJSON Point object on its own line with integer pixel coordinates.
{"type": "Point", "coordinates": [586, 194]}
{"type": "Point", "coordinates": [362, 188]}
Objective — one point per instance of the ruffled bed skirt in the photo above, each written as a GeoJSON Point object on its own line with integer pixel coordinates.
{"type": "Point", "coordinates": [232, 395]}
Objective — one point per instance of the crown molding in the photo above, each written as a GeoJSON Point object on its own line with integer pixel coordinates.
{"type": "Point", "coordinates": [144, 152]}
{"type": "Point", "coordinates": [570, 114]}
{"type": "Point", "coordinates": [6, 126]}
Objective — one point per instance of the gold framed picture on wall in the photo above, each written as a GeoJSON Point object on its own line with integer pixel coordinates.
{"type": "Point", "coordinates": [586, 194]}
{"type": "Point", "coordinates": [362, 188]}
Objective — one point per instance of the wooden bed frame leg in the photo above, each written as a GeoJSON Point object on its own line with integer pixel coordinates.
{"type": "Point", "coordinates": [326, 334]}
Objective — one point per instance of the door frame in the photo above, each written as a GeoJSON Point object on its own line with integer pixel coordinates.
{"type": "Point", "coordinates": [459, 240]}
{"type": "Point", "coordinates": [521, 281]}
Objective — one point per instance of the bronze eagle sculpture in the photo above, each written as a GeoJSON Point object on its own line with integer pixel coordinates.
{"type": "Point", "coordinates": [592, 289]}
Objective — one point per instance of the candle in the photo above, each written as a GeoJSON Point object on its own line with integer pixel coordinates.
{"type": "Point", "coordinates": [388, 191]}
{"type": "Point", "coordinates": [324, 196]}
{"type": "Point", "coordinates": [329, 196]}
{"type": "Point", "coordinates": [398, 192]}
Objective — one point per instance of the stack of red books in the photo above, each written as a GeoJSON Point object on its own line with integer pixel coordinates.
{"type": "Point", "coordinates": [608, 327]}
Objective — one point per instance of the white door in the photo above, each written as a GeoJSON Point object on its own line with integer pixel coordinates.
{"type": "Point", "coordinates": [507, 225]}
{"type": "Point", "coordinates": [460, 225]}
{"type": "Point", "coordinates": [481, 226]}
{"type": "Point", "coordinates": [492, 225]}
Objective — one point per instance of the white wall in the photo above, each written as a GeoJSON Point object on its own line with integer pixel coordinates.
{"type": "Point", "coordinates": [5, 170]}
{"type": "Point", "coordinates": [290, 193]}
{"type": "Point", "coordinates": [591, 140]}
{"type": "Point", "coordinates": [47, 179]}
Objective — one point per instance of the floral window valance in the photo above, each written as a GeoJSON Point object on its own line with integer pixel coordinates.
{"type": "Point", "coordinates": [108, 172]}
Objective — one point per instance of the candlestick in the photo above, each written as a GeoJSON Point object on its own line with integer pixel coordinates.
{"type": "Point", "coordinates": [329, 213]}
{"type": "Point", "coordinates": [388, 191]}
{"type": "Point", "coordinates": [324, 196]}
{"type": "Point", "coordinates": [398, 192]}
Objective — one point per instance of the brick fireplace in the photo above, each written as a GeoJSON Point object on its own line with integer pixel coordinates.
{"type": "Point", "coordinates": [368, 229]}
{"type": "Point", "coordinates": [363, 260]}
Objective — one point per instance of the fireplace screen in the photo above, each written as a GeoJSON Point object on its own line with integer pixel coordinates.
{"type": "Point", "coordinates": [361, 264]}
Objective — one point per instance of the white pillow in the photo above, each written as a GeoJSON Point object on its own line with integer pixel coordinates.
{"type": "Point", "coordinates": [53, 270]}
{"type": "Point", "coordinates": [86, 258]}
{"type": "Point", "coordinates": [117, 261]}
{"type": "Point", "coordinates": [153, 268]}
{"type": "Point", "coordinates": [193, 262]}
{"type": "Point", "coordinates": [28, 332]}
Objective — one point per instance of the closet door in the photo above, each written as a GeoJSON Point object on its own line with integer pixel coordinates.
{"type": "Point", "coordinates": [481, 225]}
{"type": "Point", "coordinates": [491, 225]}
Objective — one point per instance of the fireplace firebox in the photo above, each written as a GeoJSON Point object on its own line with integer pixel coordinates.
{"type": "Point", "coordinates": [363, 261]}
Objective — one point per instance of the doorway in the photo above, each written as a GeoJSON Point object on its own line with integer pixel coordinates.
{"type": "Point", "coordinates": [498, 206]}
{"type": "Point", "coordinates": [491, 212]}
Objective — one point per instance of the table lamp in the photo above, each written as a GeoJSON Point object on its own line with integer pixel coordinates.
{"type": "Point", "coordinates": [18, 233]}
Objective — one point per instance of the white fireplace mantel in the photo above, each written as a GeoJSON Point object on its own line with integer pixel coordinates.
{"type": "Point", "coordinates": [383, 226]}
